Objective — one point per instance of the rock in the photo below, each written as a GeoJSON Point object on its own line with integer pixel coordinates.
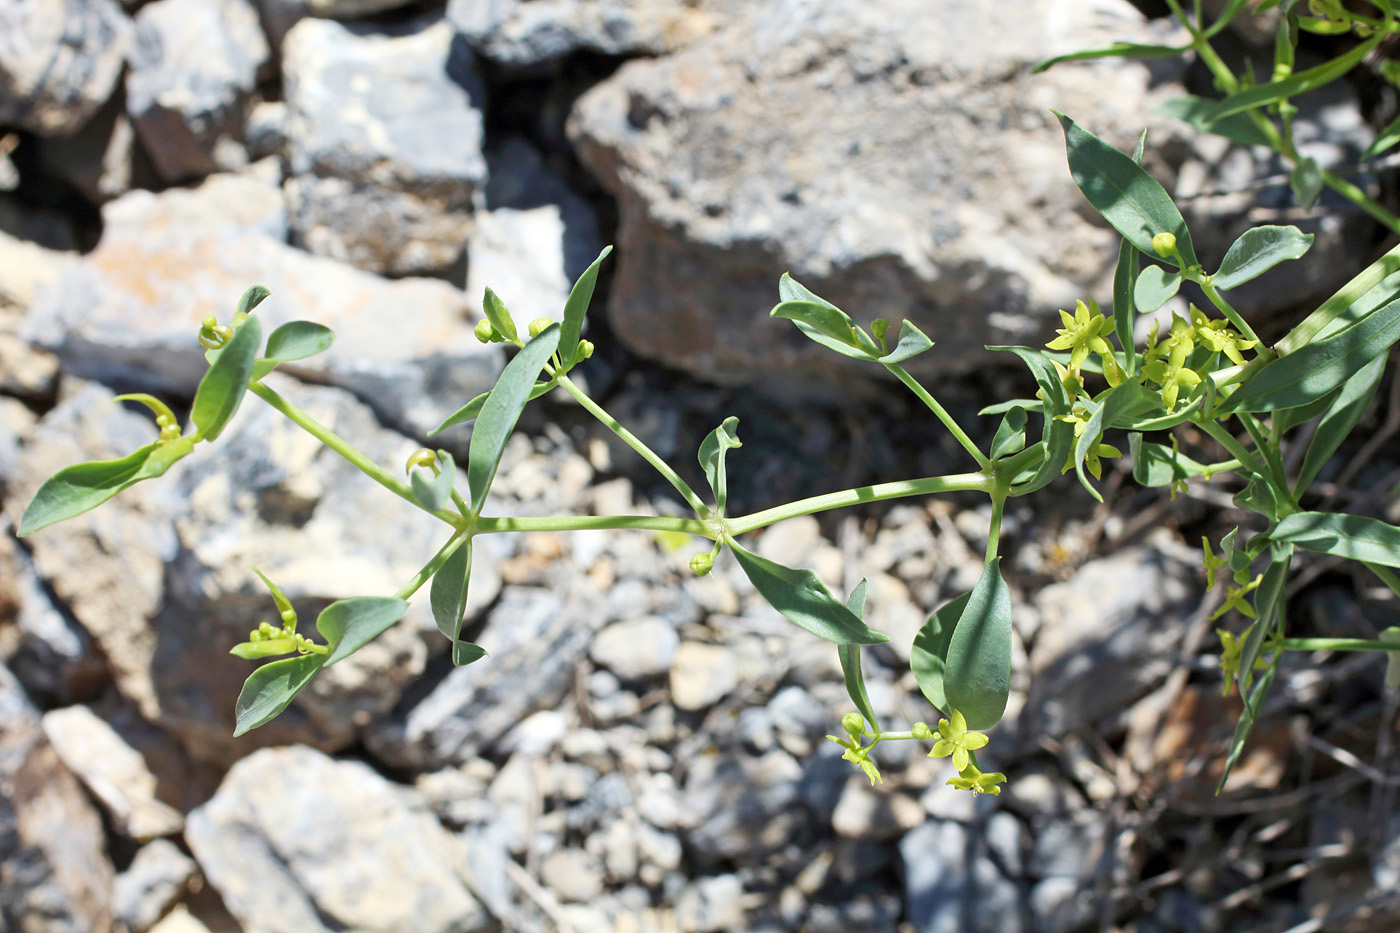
{"type": "Point", "coordinates": [572, 874]}
{"type": "Point", "coordinates": [279, 16]}
{"type": "Point", "coordinates": [385, 132]}
{"type": "Point", "coordinates": [96, 159]}
{"type": "Point", "coordinates": [156, 878]}
{"type": "Point", "coordinates": [193, 65]}
{"type": "Point", "coordinates": [113, 772]}
{"type": "Point", "coordinates": [57, 878]}
{"type": "Point", "coordinates": [51, 655]}
{"type": "Point", "coordinates": [282, 860]}
{"type": "Point", "coordinates": [637, 648]}
{"type": "Point", "coordinates": [59, 60]}
{"type": "Point", "coordinates": [950, 887]}
{"type": "Point", "coordinates": [701, 675]}
{"type": "Point", "coordinates": [522, 34]}
{"type": "Point", "coordinates": [864, 812]}
{"type": "Point", "coordinates": [741, 806]}
{"type": "Point", "coordinates": [129, 311]}
{"type": "Point", "coordinates": [723, 161]}
{"type": "Point", "coordinates": [711, 904]}
{"type": "Point", "coordinates": [180, 920]}
{"type": "Point", "coordinates": [265, 132]}
{"type": "Point", "coordinates": [25, 268]}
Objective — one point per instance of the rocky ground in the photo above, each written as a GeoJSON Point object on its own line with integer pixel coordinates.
{"type": "Point", "coordinates": [644, 749]}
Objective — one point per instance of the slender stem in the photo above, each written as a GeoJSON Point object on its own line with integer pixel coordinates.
{"type": "Point", "coordinates": [994, 529]}
{"type": "Point", "coordinates": [690, 526]}
{"type": "Point", "coordinates": [1271, 456]}
{"type": "Point", "coordinates": [1227, 440]}
{"type": "Point", "coordinates": [343, 447]}
{"type": "Point", "coordinates": [957, 482]}
{"type": "Point", "coordinates": [431, 567]}
{"type": "Point", "coordinates": [636, 444]}
{"type": "Point", "coordinates": [1361, 199]}
{"type": "Point", "coordinates": [1219, 301]}
{"type": "Point", "coordinates": [1338, 644]}
{"type": "Point", "coordinates": [941, 412]}
{"type": "Point", "coordinates": [1388, 576]}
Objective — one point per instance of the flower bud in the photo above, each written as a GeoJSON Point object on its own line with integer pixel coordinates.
{"type": "Point", "coordinates": [585, 349]}
{"type": "Point", "coordinates": [422, 457]}
{"type": "Point", "coordinates": [538, 325]}
{"type": "Point", "coordinates": [853, 723]}
{"type": "Point", "coordinates": [484, 331]}
{"type": "Point", "coordinates": [879, 327]}
{"type": "Point", "coordinates": [701, 564]}
{"type": "Point", "coordinates": [1164, 244]}
{"type": "Point", "coordinates": [922, 731]}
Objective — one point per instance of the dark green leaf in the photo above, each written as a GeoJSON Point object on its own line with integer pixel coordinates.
{"type": "Point", "coordinates": [297, 340]}
{"type": "Point", "coordinates": [221, 390]}
{"type": "Point", "coordinates": [977, 680]}
{"type": "Point", "coordinates": [1011, 434]}
{"type": "Point", "coordinates": [1268, 605]}
{"type": "Point", "coordinates": [1114, 404]}
{"type": "Point", "coordinates": [1258, 250]}
{"type": "Point", "coordinates": [1058, 444]}
{"type": "Point", "coordinates": [1153, 287]}
{"type": "Point", "coordinates": [251, 299]}
{"type": "Point", "coordinates": [1204, 115]}
{"type": "Point", "coordinates": [473, 408]}
{"type": "Point", "coordinates": [1159, 465]}
{"type": "Point", "coordinates": [929, 657]}
{"type": "Point", "coordinates": [1355, 537]}
{"type": "Point", "coordinates": [1345, 410]}
{"type": "Point", "coordinates": [349, 624]}
{"type": "Point", "coordinates": [497, 313]}
{"type": "Point", "coordinates": [502, 409]}
{"type": "Point", "coordinates": [712, 453]}
{"type": "Point", "coordinates": [575, 308]}
{"type": "Point", "coordinates": [464, 653]}
{"type": "Point", "coordinates": [79, 488]}
{"type": "Point", "coordinates": [912, 342]}
{"type": "Point", "coordinates": [1385, 139]}
{"type": "Point", "coordinates": [1306, 182]}
{"type": "Point", "coordinates": [1258, 496]}
{"type": "Point", "coordinates": [1124, 311]}
{"type": "Point", "coordinates": [1368, 290]}
{"type": "Point", "coordinates": [803, 598]}
{"type": "Point", "coordinates": [1128, 197]}
{"type": "Point", "coordinates": [432, 491]}
{"type": "Point", "coordinates": [849, 656]}
{"type": "Point", "coordinates": [1115, 50]}
{"type": "Point", "coordinates": [448, 594]}
{"type": "Point", "coordinates": [269, 689]}
{"type": "Point", "coordinates": [1299, 82]}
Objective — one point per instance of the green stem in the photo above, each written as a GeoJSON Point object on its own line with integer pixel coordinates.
{"type": "Point", "coordinates": [1219, 301]}
{"type": "Point", "coordinates": [631, 440]}
{"type": "Point", "coordinates": [941, 412]}
{"type": "Point", "coordinates": [1361, 199]}
{"type": "Point", "coordinates": [1270, 453]}
{"type": "Point", "coordinates": [343, 447]}
{"type": "Point", "coordinates": [1227, 440]}
{"type": "Point", "coordinates": [1387, 576]}
{"type": "Point", "coordinates": [426, 572]}
{"type": "Point", "coordinates": [689, 526]}
{"type": "Point", "coordinates": [1337, 644]}
{"type": "Point", "coordinates": [956, 482]}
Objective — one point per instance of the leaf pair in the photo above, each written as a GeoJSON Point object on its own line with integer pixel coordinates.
{"type": "Point", "coordinates": [833, 328]}
{"type": "Point", "coordinates": [962, 655]}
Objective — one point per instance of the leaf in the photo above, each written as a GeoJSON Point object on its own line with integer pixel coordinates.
{"type": "Point", "coordinates": [1368, 290]}
{"type": "Point", "coordinates": [1269, 605]}
{"type": "Point", "coordinates": [1130, 199]}
{"type": "Point", "coordinates": [1058, 444]}
{"type": "Point", "coordinates": [1104, 411]}
{"type": "Point", "coordinates": [1258, 250]}
{"type": "Point", "coordinates": [1115, 50]}
{"type": "Point", "coordinates": [268, 648]}
{"type": "Point", "coordinates": [1204, 115]}
{"type": "Point", "coordinates": [349, 624]}
{"type": "Point", "coordinates": [1124, 311]}
{"type": "Point", "coordinates": [502, 410]}
{"type": "Point", "coordinates": [1385, 139]}
{"type": "Point", "coordinates": [1355, 537]}
{"type": "Point", "coordinates": [575, 308]}
{"type": "Point", "coordinates": [803, 598]}
{"type": "Point", "coordinates": [1314, 370]}
{"type": "Point", "coordinates": [1297, 83]}
{"type": "Point", "coordinates": [1224, 18]}
{"type": "Point", "coordinates": [284, 605]}
{"type": "Point", "coordinates": [499, 316]}
{"type": "Point", "coordinates": [269, 689]}
{"type": "Point", "coordinates": [855, 345]}
{"type": "Point", "coordinates": [433, 491]}
{"type": "Point", "coordinates": [929, 656]}
{"type": "Point", "coordinates": [824, 318]}
{"type": "Point", "coordinates": [1258, 496]}
{"type": "Point", "coordinates": [297, 340]}
{"type": "Point", "coordinates": [849, 656]}
{"type": "Point", "coordinates": [1153, 287]}
{"type": "Point", "coordinates": [79, 488]}
{"type": "Point", "coordinates": [713, 449]}
{"type": "Point", "coordinates": [251, 299]}
{"type": "Point", "coordinates": [464, 653]}
{"type": "Point", "coordinates": [977, 679]}
{"type": "Point", "coordinates": [1341, 416]}
{"type": "Point", "coordinates": [1159, 465]}
{"type": "Point", "coordinates": [1052, 393]}
{"type": "Point", "coordinates": [1011, 434]}
{"type": "Point", "coordinates": [1245, 724]}
{"type": "Point", "coordinates": [448, 595]}
{"type": "Point", "coordinates": [221, 389]}
{"type": "Point", "coordinates": [1001, 408]}
{"type": "Point", "coordinates": [1306, 182]}
{"type": "Point", "coordinates": [473, 408]}
{"type": "Point", "coordinates": [912, 342]}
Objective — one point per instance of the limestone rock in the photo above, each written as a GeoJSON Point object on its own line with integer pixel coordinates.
{"type": "Point", "coordinates": [157, 876]}
{"type": "Point", "coordinates": [742, 806]}
{"type": "Point", "coordinates": [385, 133]}
{"type": "Point", "coordinates": [59, 60]}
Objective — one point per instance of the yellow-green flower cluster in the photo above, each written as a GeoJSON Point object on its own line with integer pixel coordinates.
{"type": "Point", "coordinates": [957, 743]}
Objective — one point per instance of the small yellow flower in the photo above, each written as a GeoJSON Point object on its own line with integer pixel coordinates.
{"type": "Point", "coordinates": [1082, 334]}
{"type": "Point", "coordinates": [1212, 563]}
{"type": "Point", "coordinates": [1219, 336]}
{"type": "Point", "coordinates": [1235, 599]}
{"type": "Point", "coordinates": [970, 778]}
{"type": "Point", "coordinates": [956, 741]}
{"type": "Point", "coordinates": [1230, 659]}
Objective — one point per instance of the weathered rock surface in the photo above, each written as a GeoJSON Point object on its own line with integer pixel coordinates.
{"type": "Point", "coordinates": [193, 65]}
{"type": "Point", "coordinates": [385, 131]}
{"type": "Point", "coordinates": [283, 853]}
{"type": "Point", "coordinates": [51, 655]}
{"type": "Point", "coordinates": [59, 60]}
{"type": "Point", "coordinates": [25, 268]}
{"type": "Point", "coordinates": [56, 876]}
{"type": "Point", "coordinates": [99, 158]}
{"type": "Point", "coordinates": [128, 312]}
{"type": "Point", "coordinates": [156, 878]}
{"type": "Point", "coordinates": [726, 164]}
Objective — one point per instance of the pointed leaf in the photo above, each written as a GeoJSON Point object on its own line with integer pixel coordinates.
{"type": "Point", "coordinates": [803, 598]}
{"type": "Point", "coordinates": [977, 679]}
{"type": "Point", "coordinates": [1159, 465]}
{"type": "Point", "coordinates": [849, 656]}
{"type": "Point", "coordinates": [1011, 434]}
{"type": "Point", "coordinates": [502, 409]}
{"type": "Point", "coordinates": [79, 488]}
{"type": "Point", "coordinates": [912, 342]}
{"type": "Point", "coordinates": [1258, 250]}
{"type": "Point", "coordinates": [1342, 414]}
{"type": "Point", "coordinates": [448, 595]}
{"type": "Point", "coordinates": [470, 410]}
{"type": "Point", "coordinates": [1385, 139]}
{"type": "Point", "coordinates": [1355, 537]}
{"type": "Point", "coordinates": [1154, 287]}
{"type": "Point", "coordinates": [433, 491]}
{"type": "Point", "coordinates": [464, 653]}
{"type": "Point", "coordinates": [929, 657]}
{"type": "Point", "coordinates": [280, 598]}
{"type": "Point", "coordinates": [267, 648]}
{"type": "Point", "coordinates": [221, 390]}
{"type": "Point", "coordinates": [1115, 50]}
{"type": "Point", "coordinates": [269, 689]}
{"type": "Point", "coordinates": [575, 308]}
{"type": "Point", "coordinates": [1248, 716]}
{"type": "Point", "coordinates": [297, 340]}
{"type": "Point", "coordinates": [1125, 274]}
{"type": "Point", "coordinates": [822, 317]}
{"type": "Point", "coordinates": [497, 313]}
{"type": "Point", "coordinates": [251, 299]}
{"type": "Point", "coordinates": [1306, 182]}
{"type": "Point", "coordinates": [349, 624]}
{"type": "Point", "coordinates": [1204, 115]}
{"type": "Point", "coordinates": [712, 453]}
{"type": "Point", "coordinates": [1299, 82]}
{"type": "Point", "coordinates": [1368, 290]}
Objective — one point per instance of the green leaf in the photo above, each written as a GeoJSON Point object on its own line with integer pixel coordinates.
{"type": "Point", "coordinates": [433, 491]}
{"type": "Point", "coordinates": [349, 624]}
{"type": "Point", "coordinates": [1385, 139]}
{"type": "Point", "coordinates": [464, 653]}
{"type": "Point", "coordinates": [1153, 287]}
{"type": "Point", "coordinates": [1314, 370]}
{"type": "Point", "coordinates": [1306, 182]}
{"type": "Point", "coordinates": [849, 656]}
{"type": "Point", "coordinates": [502, 410]}
{"type": "Point", "coordinates": [448, 595]}
{"type": "Point", "coordinates": [1248, 716]}
{"type": "Point", "coordinates": [1299, 82]}
{"type": "Point", "coordinates": [1204, 115]}
{"type": "Point", "coordinates": [1158, 464]}
{"type": "Point", "coordinates": [1368, 290]}
{"type": "Point", "coordinates": [1052, 393]}
{"type": "Point", "coordinates": [473, 408]}
{"type": "Point", "coordinates": [1355, 537]}
{"type": "Point", "coordinates": [284, 604]}
{"type": "Point", "coordinates": [824, 318]}
{"type": "Point", "coordinates": [1058, 443]}
{"type": "Point", "coordinates": [1223, 20]}
{"type": "Point", "coordinates": [857, 346]}
{"type": "Point", "coordinates": [268, 648]}
{"type": "Point", "coordinates": [269, 689]}
{"type": "Point", "coordinates": [1011, 434]}
{"type": "Point", "coordinates": [575, 308]}
{"type": "Point", "coordinates": [977, 680]}
{"type": "Point", "coordinates": [912, 342]}
{"type": "Point", "coordinates": [1124, 311]}
{"type": "Point", "coordinates": [1130, 199]}
{"type": "Point", "coordinates": [499, 316]}
{"type": "Point", "coordinates": [1118, 402]}
{"type": "Point", "coordinates": [251, 299]}
{"type": "Point", "coordinates": [803, 598]}
{"type": "Point", "coordinates": [1001, 408]}
{"type": "Point", "coordinates": [1269, 600]}
{"type": "Point", "coordinates": [1258, 496]}
{"type": "Point", "coordinates": [929, 657]}
{"type": "Point", "coordinates": [1115, 50]}
{"type": "Point", "coordinates": [712, 453]}
{"type": "Point", "coordinates": [79, 488]}
{"type": "Point", "coordinates": [1345, 410]}
{"type": "Point", "coordinates": [1258, 250]}
{"type": "Point", "coordinates": [221, 390]}
{"type": "Point", "coordinates": [297, 340]}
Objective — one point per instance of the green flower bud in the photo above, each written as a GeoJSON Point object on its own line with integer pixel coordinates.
{"type": "Point", "coordinates": [879, 327]}
{"type": "Point", "coordinates": [484, 331]}
{"type": "Point", "coordinates": [585, 349]}
{"type": "Point", "coordinates": [422, 457]}
{"type": "Point", "coordinates": [853, 723]}
{"type": "Point", "coordinates": [1164, 244]}
{"type": "Point", "coordinates": [538, 325]}
{"type": "Point", "coordinates": [289, 618]}
{"type": "Point", "coordinates": [921, 730]}
{"type": "Point", "coordinates": [701, 564]}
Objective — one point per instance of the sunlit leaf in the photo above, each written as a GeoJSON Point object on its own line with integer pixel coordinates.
{"type": "Point", "coordinates": [221, 390]}
{"type": "Point", "coordinates": [713, 450]}
{"type": "Point", "coordinates": [270, 688]}
{"type": "Point", "coordinates": [1256, 251]}
{"type": "Point", "coordinates": [502, 410]}
{"type": "Point", "coordinates": [929, 657]}
{"type": "Point", "coordinates": [977, 678]}
{"type": "Point", "coordinates": [849, 656]}
{"type": "Point", "coordinates": [575, 308]}
{"type": "Point", "coordinates": [803, 598]}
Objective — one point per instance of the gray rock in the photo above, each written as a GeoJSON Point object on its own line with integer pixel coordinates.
{"type": "Point", "coordinates": [742, 806]}
{"type": "Point", "coordinates": [113, 772]}
{"type": "Point", "coordinates": [129, 311]}
{"type": "Point", "coordinates": [637, 648]}
{"type": "Point", "coordinates": [50, 653]}
{"type": "Point", "coordinates": [385, 132]}
{"type": "Point", "coordinates": [711, 904]}
{"type": "Point", "coordinates": [701, 674]}
{"type": "Point", "coordinates": [523, 34]}
{"type": "Point", "coordinates": [57, 877]}
{"type": "Point", "coordinates": [265, 133]}
{"type": "Point", "coordinates": [25, 268]}
{"type": "Point", "coordinates": [724, 161]}
{"type": "Point", "coordinates": [279, 16]}
{"type": "Point", "coordinates": [285, 861]}
{"type": "Point", "coordinates": [59, 60]}
{"type": "Point", "coordinates": [98, 158]}
{"type": "Point", "coordinates": [156, 878]}
{"type": "Point", "coordinates": [950, 887]}
{"type": "Point", "coordinates": [866, 812]}
{"type": "Point", "coordinates": [572, 875]}
{"type": "Point", "coordinates": [193, 64]}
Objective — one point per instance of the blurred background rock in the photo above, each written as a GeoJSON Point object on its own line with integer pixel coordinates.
{"type": "Point", "coordinates": [643, 750]}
